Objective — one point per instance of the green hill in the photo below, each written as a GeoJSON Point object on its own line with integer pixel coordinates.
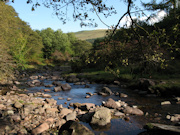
{"type": "Point", "coordinates": [90, 35]}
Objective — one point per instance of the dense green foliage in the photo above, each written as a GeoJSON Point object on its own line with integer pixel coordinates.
{"type": "Point", "coordinates": [19, 43]}
{"type": "Point", "coordinates": [60, 47]}
{"type": "Point", "coordinates": [142, 48]}
{"type": "Point", "coordinates": [21, 46]}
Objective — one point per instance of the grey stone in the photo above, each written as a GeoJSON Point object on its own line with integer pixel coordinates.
{"type": "Point", "coordinates": [101, 117]}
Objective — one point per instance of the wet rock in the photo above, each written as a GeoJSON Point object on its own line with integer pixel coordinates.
{"type": "Point", "coordinates": [106, 90]}
{"type": "Point", "coordinates": [43, 127]}
{"type": "Point", "coordinates": [101, 117]}
{"type": "Point", "coordinates": [110, 103]}
{"type": "Point", "coordinates": [74, 128]}
{"type": "Point", "coordinates": [66, 87]}
{"type": "Point", "coordinates": [56, 89]}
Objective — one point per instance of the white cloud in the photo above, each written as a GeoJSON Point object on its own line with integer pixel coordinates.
{"type": "Point", "coordinates": [126, 21]}
{"type": "Point", "coordinates": [159, 16]}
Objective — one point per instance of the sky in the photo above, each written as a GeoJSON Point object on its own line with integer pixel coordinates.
{"type": "Point", "coordinates": [43, 17]}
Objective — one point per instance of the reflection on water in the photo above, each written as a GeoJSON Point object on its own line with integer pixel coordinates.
{"type": "Point", "coordinates": [117, 126]}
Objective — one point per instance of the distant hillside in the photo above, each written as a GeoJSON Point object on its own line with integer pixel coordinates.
{"type": "Point", "coordinates": [90, 35]}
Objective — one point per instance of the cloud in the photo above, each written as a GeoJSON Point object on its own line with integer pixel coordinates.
{"type": "Point", "coordinates": [159, 16]}
{"type": "Point", "coordinates": [126, 21]}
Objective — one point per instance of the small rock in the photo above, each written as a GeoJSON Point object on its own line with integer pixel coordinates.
{"type": "Point", "coordinates": [68, 99]}
{"type": "Point", "coordinates": [65, 111]}
{"type": "Point", "coordinates": [87, 96]}
{"type": "Point", "coordinates": [43, 127]}
{"type": "Point", "coordinates": [117, 83]}
{"type": "Point", "coordinates": [127, 118]}
{"type": "Point", "coordinates": [71, 116]}
{"type": "Point", "coordinates": [166, 103]}
{"type": "Point", "coordinates": [123, 95]}
{"type": "Point", "coordinates": [47, 90]}
{"type": "Point", "coordinates": [119, 114]}
{"type": "Point", "coordinates": [106, 90]}
{"type": "Point", "coordinates": [47, 96]}
{"type": "Point", "coordinates": [18, 105]}
{"type": "Point", "coordinates": [89, 93]}
{"type": "Point", "coordinates": [66, 87]}
{"type": "Point", "coordinates": [56, 89]}
{"type": "Point", "coordinates": [60, 98]}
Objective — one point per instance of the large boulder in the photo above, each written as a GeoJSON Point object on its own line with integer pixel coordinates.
{"type": "Point", "coordinates": [74, 128]}
{"type": "Point", "coordinates": [66, 87]}
{"type": "Point", "coordinates": [101, 117]}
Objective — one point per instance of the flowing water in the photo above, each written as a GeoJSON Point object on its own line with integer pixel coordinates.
{"type": "Point", "coordinates": [150, 105]}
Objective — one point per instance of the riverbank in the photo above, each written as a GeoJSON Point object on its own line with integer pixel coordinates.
{"type": "Point", "coordinates": [158, 84]}
{"type": "Point", "coordinates": [42, 101]}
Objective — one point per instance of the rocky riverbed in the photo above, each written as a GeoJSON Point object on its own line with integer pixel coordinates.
{"type": "Point", "coordinates": [32, 105]}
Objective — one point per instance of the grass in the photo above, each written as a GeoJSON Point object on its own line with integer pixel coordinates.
{"type": "Point", "coordinates": [94, 75]}
{"type": "Point", "coordinates": [92, 34]}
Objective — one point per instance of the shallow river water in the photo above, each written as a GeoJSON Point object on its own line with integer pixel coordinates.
{"type": "Point", "coordinates": [150, 105]}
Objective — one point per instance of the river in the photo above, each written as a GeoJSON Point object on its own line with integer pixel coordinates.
{"type": "Point", "coordinates": [153, 111]}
